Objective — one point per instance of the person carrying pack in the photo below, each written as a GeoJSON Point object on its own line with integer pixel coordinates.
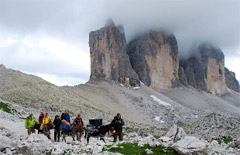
{"type": "Point", "coordinates": [29, 124]}
{"type": "Point", "coordinates": [65, 118]}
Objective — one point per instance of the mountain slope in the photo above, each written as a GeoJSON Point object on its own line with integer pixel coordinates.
{"type": "Point", "coordinates": [141, 107]}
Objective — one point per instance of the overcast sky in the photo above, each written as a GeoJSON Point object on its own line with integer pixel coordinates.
{"type": "Point", "coordinates": [49, 38]}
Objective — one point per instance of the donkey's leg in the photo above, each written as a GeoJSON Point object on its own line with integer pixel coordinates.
{"type": "Point", "coordinates": [102, 138]}
{"type": "Point", "coordinates": [73, 136]}
{"type": "Point", "coordinates": [88, 137]}
{"type": "Point", "coordinates": [85, 136]}
{"type": "Point", "coordinates": [48, 134]}
{"type": "Point", "coordinates": [64, 137]}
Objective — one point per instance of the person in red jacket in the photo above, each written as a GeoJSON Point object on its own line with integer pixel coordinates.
{"type": "Point", "coordinates": [40, 118]}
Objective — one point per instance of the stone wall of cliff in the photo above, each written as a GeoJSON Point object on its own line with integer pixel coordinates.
{"type": "Point", "coordinates": [231, 80]}
{"type": "Point", "coordinates": [154, 56]}
{"type": "Point", "coordinates": [109, 59]}
{"type": "Point", "coordinates": [153, 59]}
{"type": "Point", "coordinates": [205, 70]}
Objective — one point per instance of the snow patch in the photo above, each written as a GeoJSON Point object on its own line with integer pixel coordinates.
{"type": "Point", "coordinates": [160, 102]}
{"type": "Point", "coordinates": [142, 84]}
{"type": "Point", "coordinates": [158, 119]}
{"type": "Point", "coordinates": [136, 87]}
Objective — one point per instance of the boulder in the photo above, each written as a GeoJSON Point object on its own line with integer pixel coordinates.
{"type": "Point", "coordinates": [174, 134]}
{"type": "Point", "coordinates": [109, 60]}
{"type": "Point", "coordinates": [148, 140]}
{"type": "Point", "coordinates": [190, 146]}
{"type": "Point", "coordinates": [180, 134]}
{"type": "Point", "coordinates": [165, 141]}
{"type": "Point", "coordinates": [214, 147]}
{"type": "Point", "coordinates": [148, 151]}
{"type": "Point", "coordinates": [154, 57]}
{"type": "Point", "coordinates": [5, 143]}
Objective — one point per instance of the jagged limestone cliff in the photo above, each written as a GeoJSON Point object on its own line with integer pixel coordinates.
{"type": "Point", "coordinates": [205, 69]}
{"type": "Point", "coordinates": [231, 80]}
{"type": "Point", "coordinates": [109, 59]}
{"type": "Point", "coordinates": [154, 56]}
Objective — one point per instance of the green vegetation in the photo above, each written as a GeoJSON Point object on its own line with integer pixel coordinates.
{"type": "Point", "coordinates": [156, 136]}
{"type": "Point", "coordinates": [134, 149]}
{"type": "Point", "coordinates": [5, 107]}
{"type": "Point", "coordinates": [224, 139]}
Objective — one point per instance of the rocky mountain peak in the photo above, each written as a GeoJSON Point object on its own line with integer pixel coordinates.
{"type": "Point", "coordinates": [109, 23]}
{"type": "Point", "coordinates": [154, 56]}
{"type": "Point", "coordinates": [205, 69]}
{"type": "Point", "coordinates": [209, 50]}
{"type": "Point", "coordinates": [109, 59]}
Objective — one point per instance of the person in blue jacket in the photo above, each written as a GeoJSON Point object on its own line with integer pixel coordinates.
{"type": "Point", "coordinates": [65, 116]}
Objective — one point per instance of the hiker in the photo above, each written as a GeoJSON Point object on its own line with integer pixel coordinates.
{"type": "Point", "coordinates": [29, 124]}
{"type": "Point", "coordinates": [78, 123]}
{"type": "Point", "coordinates": [66, 116]}
{"type": "Point", "coordinates": [118, 122]}
{"type": "Point", "coordinates": [57, 123]}
{"type": "Point", "coordinates": [40, 118]}
{"type": "Point", "coordinates": [46, 119]}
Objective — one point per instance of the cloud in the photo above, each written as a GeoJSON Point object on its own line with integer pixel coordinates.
{"type": "Point", "coordinates": [51, 37]}
{"type": "Point", "coordinates": [192, 21]}
{"type": "Point", "coordinates": [49, 58]}
{"type": "Point", "coordinates": [216, 21]}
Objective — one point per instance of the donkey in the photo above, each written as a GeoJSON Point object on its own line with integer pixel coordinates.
{"type": "Point", "coordinates": [45, 130]}
{"type": "Point", "coordinates": [74, 131]}
{"type": "Point", "coordinates": [99, 132]}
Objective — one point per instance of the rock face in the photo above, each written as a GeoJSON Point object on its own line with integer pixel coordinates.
{"type": "Point", "coordinates": [154, 56]}
{"type": "Point", "coordinates": [109, 59]}
{"type": "Point", "coordinates": [182, 76]}
{"type": "Point", "coordinates": [231, 80]}
{"type": "Point", "coordinates": [205, 70]}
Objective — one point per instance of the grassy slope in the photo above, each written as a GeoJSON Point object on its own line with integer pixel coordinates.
{"type": "Point", "coordinates": [134, 149]}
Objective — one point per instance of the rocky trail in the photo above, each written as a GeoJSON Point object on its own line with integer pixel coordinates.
{"type": "Point", "coordinates": [14, 140]}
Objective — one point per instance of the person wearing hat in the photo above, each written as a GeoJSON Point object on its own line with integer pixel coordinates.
{"type": "Point", "coordinates": [29, 124]}
{"type": "Point", "coordinates": [57, 123]}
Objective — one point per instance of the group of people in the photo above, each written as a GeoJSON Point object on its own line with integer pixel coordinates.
{"type": "Point", "coordinates": [44, 119]}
